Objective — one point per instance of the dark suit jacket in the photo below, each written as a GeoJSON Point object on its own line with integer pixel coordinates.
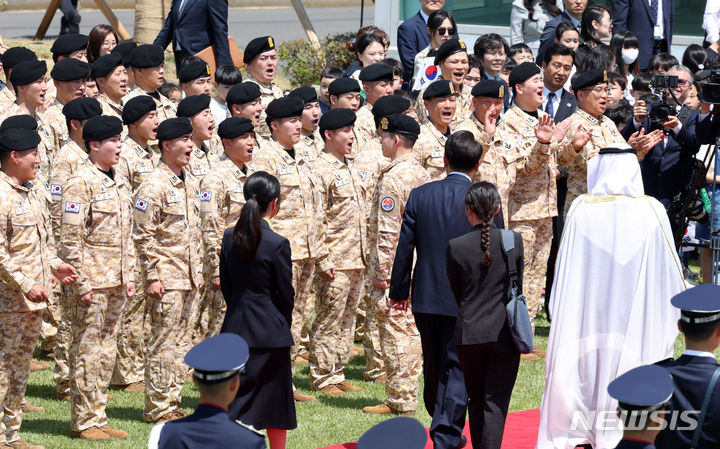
{"type": "Point", "coordinates": [548, 35]}
{"type": "Point", "coordinates": [691, 375]}
{"type": "Point", "coordinates": [434, 214]}
{"type": "Point", "coordinates": [566, 107]}
{"type": "Point", "coordinates": [259, 293]}
{"type": "Point", "coordinates": [634, 15]}
{"type": "Point", "coordinates": [412, 37]}
{"type": "Point", "coordinates": [634, 444]}
{"type": "Point", "coordinates": [209, 427]}
{"type": "Point", "coordinates": [481, 292]}
{"type": "Point", "coordinates": [200, 24]}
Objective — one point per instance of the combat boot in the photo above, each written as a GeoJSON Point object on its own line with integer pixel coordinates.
{"type": "Point", "coordinates": [93, 433]}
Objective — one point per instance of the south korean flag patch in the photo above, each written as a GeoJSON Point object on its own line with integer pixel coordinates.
{"type": "Point", "coordinates": [56, 189]}
{"type": "Point", "coordinates": [72, 207]}
{"type": "Point", "coordinates": [71, 215]}
{"type": "Point", "coordinates": [141, 204]}
{"type": "Point", "coordinates": [387, 204]}
{"type": "Point", "coordinates": [205, 195]}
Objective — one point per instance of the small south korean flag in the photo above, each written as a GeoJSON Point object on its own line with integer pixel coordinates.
{"type": "Point", "coordinates": [55, 189]}
{"type": "Point", "coordinates": [205, 195]}
{"type": "Point", "coordinates": [72, 207]}
{"type": "Point", "coordinates": [141, 204]}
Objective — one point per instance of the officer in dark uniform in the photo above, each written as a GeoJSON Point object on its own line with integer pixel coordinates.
{"type": "Point", "coordinates": [217, 362]}
{"type": "Point", "coordinates": [402, 431]}
{"type": "Point", "coordinates": [693, 372]}
{"type": "Point", "coordinates": [642, 394]}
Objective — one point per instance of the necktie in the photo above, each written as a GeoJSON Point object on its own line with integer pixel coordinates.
{"type": "Point", "coordinates": [654, 11]}
{"type": "Point", "coordinates": [549, 106]}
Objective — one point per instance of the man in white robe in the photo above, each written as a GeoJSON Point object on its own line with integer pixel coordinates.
{"type": "Point", "coordinates": [615, 274]}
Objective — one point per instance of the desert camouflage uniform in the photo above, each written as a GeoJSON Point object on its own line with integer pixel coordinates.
{"type": "Point", "coordinates": [430, 150]}
{"type": "Point", "coordinates": [109, 107]}
{"type": "Point", "coordinates": [487, 163]}
{"type": "Point", "coordinates": [313, 142]}
{"type": "Point", "coordinates": [214, 145]}
{"type": "Point", "coordinates": [344, 228]}
{"type": "Point", "coordinates": [136, 164]}
{"type": "Point", "coordinates": [202, 160]}
{"type": "Point", "coordinates": [7, 98]}
{"type": "Point", "coordinates": [55, 121]}
{"type": "Point", "coordinates": [167, 236]}
{"type": "Point", "coordinates": [525, 174]}
{"type": "Point", "coordinates": [221, 199]}
{"type": "Point", "coordinates": [165, 107]}
{"type": "Point", "coordinates": [604, 134]}
{"type": "Point", "coordinates": [46, 149]}
{"type": "Point", "coordinates": [27, 257]}
{"type": "Point", "coordinates": [297, 220]}
{"type": "Point", "coordinates": [268, 94]}
{"type": "Point", "coordinates": [462, 110]}
{"type": "Point", "coordinates": [365, 124]}
{"type": "Point", "coordinates": [95, 237]}
{"type": "Point", "coordinates": [399, 337]}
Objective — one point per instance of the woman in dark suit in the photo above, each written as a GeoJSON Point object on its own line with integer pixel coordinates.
{"type": "Point", "coordinates": [480, 280]}
{"type": "Point", "coordinates": [256, 281]}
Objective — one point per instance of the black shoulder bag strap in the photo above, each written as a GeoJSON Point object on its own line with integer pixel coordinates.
{"type": "Point", "coordinates": [703, 410]}
{"type": "Point", "coordinates": [508, 241]}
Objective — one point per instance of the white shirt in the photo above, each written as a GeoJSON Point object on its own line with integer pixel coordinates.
{"type": "Point", "coordinates": [461, 174]}
{"type": "Point", "coordinates": [711, 21]}
{"type": "Point", "coordinates": [699, 353]}
{"type": "Point", "coordinates": [219, 111]}
{"type": "Point", "coordinates": [556, 100]}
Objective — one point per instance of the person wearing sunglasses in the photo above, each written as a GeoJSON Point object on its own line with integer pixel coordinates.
{"type": "Point", "coordinates": [440, 28]}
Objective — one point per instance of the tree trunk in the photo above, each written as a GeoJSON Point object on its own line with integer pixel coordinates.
{"type": "Point", "coordinates": [149, 18]}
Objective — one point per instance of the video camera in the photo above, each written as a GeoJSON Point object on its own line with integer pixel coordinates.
{"type": "Point", "coordinates": [710, 81]}
{"type": "Point", "coordinates": [661, 110]}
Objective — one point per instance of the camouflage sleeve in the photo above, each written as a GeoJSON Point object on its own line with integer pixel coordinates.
{"type": "Point", "coordinates": [146, 219]}
{"type": "Point", "coordinates": [565, 151]}
{"type": "Point", "coordinates": [59, 175]}
{"type": "Point", "coordinates": [10, 272]}
{"type": "Point", "coordinates": [123, 168]}
{"type": "Point", "coordinates": [261, 162]}
{"type": "Point", "coordinates": [536, 159]}
{"type": "Point", "coordinates": [75, 212]}
{"type": "Point", "coordinates": [324, 199]}
{"type": "Point", "coordinates": [389, 223]}
{"type": "Point", "coordinates": [212, 208]}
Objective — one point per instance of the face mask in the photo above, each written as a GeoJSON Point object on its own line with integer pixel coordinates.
{"type": "Point", "coordinates": [629, 55]}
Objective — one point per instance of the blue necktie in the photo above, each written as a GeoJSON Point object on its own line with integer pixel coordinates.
{"type": "Point", "coordinates": [654, 11]}
{"type": "Point", "coordinates": [549, 106]}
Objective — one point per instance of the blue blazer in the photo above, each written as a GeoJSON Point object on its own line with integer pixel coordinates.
{"type": "Point", "coordinates": [434, 214]}
{"type": "Point", "coordinates": [634, 15]}
{"type": "Point", "coordinates": [691, 375]}
{"type": "Point", "coordinates": [201, 23]}
{"type": "Point", "coordinates": [548, 35]}
{"type": "Point", "coordinates": [210, 428]}
{"type": "Point", "coordinates": [412, 37]}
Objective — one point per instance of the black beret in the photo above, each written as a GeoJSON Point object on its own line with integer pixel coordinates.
{"type": "Point", "coordinates": [192, 105]}
{"type": "Point", "coordinates": [193, 70]}
{"type": "Point", "coordinates": [284, 107]}
{"type": "Point", "coordinates": [68, 43]}
{"type": "Point", "coordinates": [27, 72]}
{"type": "Point", "coordinates": [336, 119]}
{"type": "Point", "coordinates": [105, 64]}
{"type": "Point", "coordinates": [82, 108]}
{"type": "Point", "coordinates": [257, 46]}
{"type": "Point", "coordinates": [18, 139]}
{"type": "Point", "coordinates": [137, 107]}
{"type": "Point", "coordinates": [522, 72]}
{"type": "Point", "coordinates": [388, 105]}
{"type": "Point", "coordinates": [102, 127]}
{"type": "Point", "coordinates": [70, 69]}
{"type": "Point", "coordinates": [242, 93]}
{"type": "Point", "coordinates": [124, 49]}
{"type": "Point", "coordinates": [232, 127]}
{"type": "Point", "coordinates": [588, 78]}
{"type": "Point", "coordinates": [343, 85]}
{"type": "Point", "coordinates": [377, 72]}
{"type": "Point", "coordinates": [173, 128]}
{"type": "Point", "coordinates": [439, 89]}
{"type": "Point", "coordinates": [489, 88]}
{"type": "Point", "coordinates": [400, 124]}
{"type": "Point", "coordinates": [148, 55]}
{"type": "Point", "coordinates": [19, 121]}
{"type": "Point", "coordinates": [449, 48]}
{"type": "Point", "coordinates": [15, 55]}
{"type": "Point", "coordinates": [305, 93]}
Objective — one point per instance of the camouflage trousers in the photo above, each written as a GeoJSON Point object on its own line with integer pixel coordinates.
{"type": "Point", "coordinates": [61, 353]}
{"type": "Point", "coordinates": [302, 271]}
{"type": "Point", "coordinates": [402, 350]}
{"type": "Point", "coordinates": [130, 363]}
{"type": "Point", "coordinates": [360, 315]}
{"type": "Point", "coordinates": [171, 321]}
{"type": "Point", "coordinates": [211, 313]}
{"type": "Point", "coordinates": [92, 355]}
{"type": "Point", "coordinates": [374, 364]}
{"type": "Point", "coordinates": [537, 238]}
{"type": "Point", "coordinates": [19, 332]}
{"type": "Point", "coordinates": [51, 322]}
{"type": "Point", "coordinates": [331, 337]}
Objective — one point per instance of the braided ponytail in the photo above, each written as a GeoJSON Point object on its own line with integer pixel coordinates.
{"type": "Point", "coordinates": [483, 199]}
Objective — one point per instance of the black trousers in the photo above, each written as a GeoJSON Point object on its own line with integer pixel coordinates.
{"type": "Point", "coordinates": [490, 370]}
{"type": "Point", "coordinates": [444, 393]}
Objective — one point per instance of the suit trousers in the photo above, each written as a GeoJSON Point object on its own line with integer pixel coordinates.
{"type": "Point", "coordinates": [444, 394]}
{"type": "Point", "coordinates": [490, 370]}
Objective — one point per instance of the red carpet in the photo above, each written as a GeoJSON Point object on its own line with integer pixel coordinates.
{"type": "Point", "coordinates": [520, 432]}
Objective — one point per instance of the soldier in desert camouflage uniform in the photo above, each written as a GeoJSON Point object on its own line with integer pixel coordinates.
{"type": "Point", "coordinates": [440, 103]}
{"type": "Point", "coordinates": [399, 337]}
{"type": "Point", "coordinates": [261, 62]}
{"type": "Point", "coordinates": [221, 199]}
{"type": "Point", "coordinates": [12, 57]}
{"type": "Point", "coordinates": [194, 78]}
{"type": "Point", "coordinates": [339, 275]}
{"type": "Point", "coordinates": [138, 160]}
{"type": "Point", "coordinates": [69, 77]}
{"type": "Point", "coordinates": [147, 63]}
{"type": "Point", "coordinates": [309, 134]}
{"type": "Point", "coordinates": [167, 237]}
{"type": "Point", "coordinates": [95, 236]}
{"type": "Point", "coordinates": [244, 100]}
{"type": "Point", "coordinates": [197, 109]}
{"type": "Point", "coordinates": [27, 265]}
{"type": "Point", "coordinates": [377, 81]}
{"type": "Point", "coordinates": [111, 78]}
{"type": "Point", "coordinates": [297, 219]}
{"type": "Point", "coordinates": [345, 93]}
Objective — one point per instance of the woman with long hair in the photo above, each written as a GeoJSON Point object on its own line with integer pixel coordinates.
{"type": "Point", "coordinates": [369, 46]}
{"type": "Point", "coordinates": [528, 19]}
{"type": "Point", "coordinates": [624, 45]}
{"type": "Point", "coordinates": [256, 281]}
{"type": "Point", "coordinates": [440, 27]}
{"type": "Point", "coordinates": [477, 268]}
{"type": "Point", "coordinates": [595, 25]}
{"type": "Point", "coordinates": [101, 41]}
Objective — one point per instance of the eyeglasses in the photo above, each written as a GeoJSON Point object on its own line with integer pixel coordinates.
{"type": "Point", "coordinates": [448, 31]}
{"type": "Point", "coordinates": [599, 90]}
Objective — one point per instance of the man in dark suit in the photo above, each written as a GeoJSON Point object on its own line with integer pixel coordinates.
{"type": "Point", "coordinates": [573, 13]}
{"type": "Point", "coordinates": [193, 25]}
{"type": "Point", "coordinates": [650, 20]}
{"type": "Point", "coordinates": [700, 324]}
{"type": "Point", "coordinates": [412, 36]}
{"type": "Point", "coordinates": [435, 214]}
